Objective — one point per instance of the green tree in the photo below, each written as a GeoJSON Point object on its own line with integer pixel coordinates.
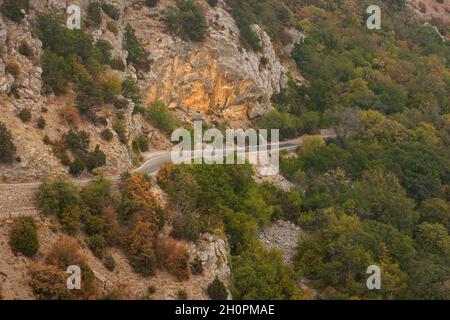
{"type": "Point", "coordinates": [435, 210]}
{"type": "Point", "coordinates": [98, 195]}
{"type": "Point", "coordinates": [187, 20]}
{"type": "Point", "coordinates": [136, 52]}
{"type": "Point", "coordinates": [162, 118]}
{"type": "Point", "coordinates": [96, 159]}
{"type": "Point", "coordinates": [261, 275]}
{"type": "Point", "coordinates": [56, 72]}
{"type": "Point", "coordinates": [12, 9]}
{"type": "Point", "coordinates": [140, 143]}
{"type": "Point", "coordinates": [56, 197]}
{"type": "Point", "coordinates": [217, 290]}
{"type": "Point", "coordinates": [151, 3]}
{"type": "Point", "coordinates": [186, 227]}
{"type": "Point", "coordinates": [384, 199]}
{"type": "Point", "coordinates": [94, 14]}
{"type": "Point", "coordinates": [24, 236]}
{"type": "Point", "coordinates": [131, 91]}
{"type": "Point", "coordinates": [278, 120]}
{"type": "Point", "coordinates": [242, 230]}
{"type": "Point", "coordinates": [434, 238]}
{"type": "Point", "coordinates": [7, 147]}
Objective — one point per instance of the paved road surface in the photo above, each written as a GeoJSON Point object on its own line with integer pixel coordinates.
{"type": "Point", "coordinates": [18, 198]}
{"type": "Point", "coordinates": [154, 162]}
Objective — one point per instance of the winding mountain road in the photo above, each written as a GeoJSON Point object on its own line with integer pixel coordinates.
{"type": "Point", "coordinates": [153, 162]}
{"type": "Point", "coordinates": [18, 198]}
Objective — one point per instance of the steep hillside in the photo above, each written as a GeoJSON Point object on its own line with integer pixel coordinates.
{"type": "Point", "coordinates": [216, 78]}
{"type": "Point", "coordinates": [90, 103]}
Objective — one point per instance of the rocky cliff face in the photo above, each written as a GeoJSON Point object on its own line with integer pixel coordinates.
{"type": "Point", "coordinates": [217, 79]}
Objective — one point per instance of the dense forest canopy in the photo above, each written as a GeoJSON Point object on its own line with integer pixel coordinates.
{"type": "Point", "coordinates": [379, 192]}
{"type": "Point", "coordinates": [376, 194]}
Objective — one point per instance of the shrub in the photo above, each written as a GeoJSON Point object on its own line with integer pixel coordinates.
{"type": "Point", "coordinates": [121, 131]}
{"type": "Point", "coordinates": [131, 91]}
{"type": "Point", "coordinates": [77, 141]}
{"type": "Point", "coordinates": [144, 261]}
{"type": "Point", "coordinates": [217, 290]}
{"type": "Point", "coordinates": [107, 135]}
{"type": "Point", "coordinates": [41, 123]}
{"type": "Point", "coordinates": [112, 11]}
{"type": "Point", "coordinates": [72, 56]}
{"type": "Point", "coordinates": [272, 16]}
{"type": "Point", "coordinates": [213, 3]}
{"type": "Point", "coordinates": [111, 88]}
{"type": "Point", "coordinates": [174, 257]}
{"type": "Point", "coordinates": [65, 252]}
{"type": "Point", "coordinates": [12, 9]}
{"type": "Point", "coordinates": [140, 244]}
{"type": "Point", "coordinates": [58, 197]}
{"type": "Point", "coordinates": [151, 290]}
{"type": "Point", "coordinates": [197, 266]}
{"type": "Point", "coordinates": [7, 147]}
{"type": "Point", "coordinates": [96, 159]}
{"type": "Point", "coordinates": [103, 49]}
{"type": "Point", "coordinates": [98, 195]}
{"type": "Point", "coordinates": [13, 69]}
{"type": "Point", "coordinates": [137, 197]}
{"type": "Point", "coordinates": [26, 50]}
{"type": "Point", "coordinates": [55, 73]}
{"type": "Point", "coordinates": [89, 285]}
{"type": "Point", "coordinates": [89, 98]}
{"type": "Point", "coordinates": [94, 14]}
{"type": "Point", "coordinates": [151, 3]}
{"type": "Point", "coordinates": [264, 272]}
{"type": "Point", "coordinates": [70, 220]}
{"type": "Point", "coordinates": [117, 64]}
{"type": "Point", "coordinates": [109, 262]}
{"type": "Point", "coordinates": [97, 244]}
{"type": "Point", "coordinates": [136, 52]}
{"type": "Point", "coordinates": [161, 117]}
{"type": "Point", "coordinates": [140, 143]}
{"type": "Point", "coordinates": [112, 27]}
{"type": "Point", "coordinates": [278, 120]}
{"type": "Point", "coordinates": [187, 20]}
{"type": "Point", "coordinates": [76, 167]}
{"type": "Point", "coordinates": [182, 294]}
{"type": "Point", "coordinates": [264, 61]}
{"type": "Point", "coordinates": [24, 237]}
{"type": "Point", "coordinates": [92, 224]}
{"type": "Point", "coordinates": [25, 115]}
{"type": "Point", "coordinates": [249, 37]}
{"type": "Point", "coordinates": [49, 283]}
{"type": "Point", "coordinates": [111, 228]}
{"type": "Point", "coordinates": [47, 140]}
{"type": "Point", "coordinates": [186, 227]}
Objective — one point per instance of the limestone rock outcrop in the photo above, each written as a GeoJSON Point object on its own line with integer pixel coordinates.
{"type": "Point", "coordinates": [218, 77]}
{"type": "Point", "coordinates": [217, 80]}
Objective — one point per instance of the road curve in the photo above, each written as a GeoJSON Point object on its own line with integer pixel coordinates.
{"type": "Point", "coordinates": [19, 198]}
{"type": "Point", "coordinates": [153, 164]}
{"type": "Point", "coordinates": [154, 161]}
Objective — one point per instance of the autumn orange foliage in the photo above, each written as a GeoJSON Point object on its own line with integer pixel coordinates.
{"type": "Point", "coordinates": [174, 257]}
